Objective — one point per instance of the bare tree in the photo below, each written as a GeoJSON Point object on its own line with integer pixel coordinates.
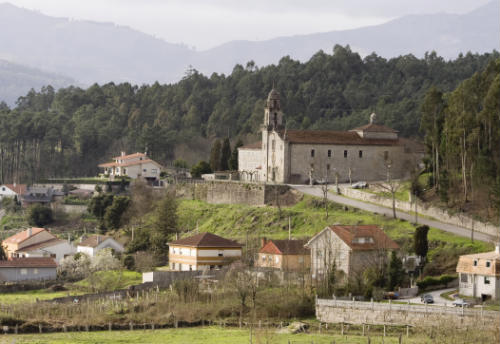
{"type": "Point", "coordinates": [390, 185]}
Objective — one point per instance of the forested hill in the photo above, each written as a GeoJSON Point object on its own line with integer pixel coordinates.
{"type": "Point", "coordinates": [68, 132]}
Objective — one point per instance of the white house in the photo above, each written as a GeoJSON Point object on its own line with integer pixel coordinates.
{"type": "Point", "coordinates": [94, 243]}
{"type": "Point", "coordinates": [479, 274]}
{"type": "Point", "coordinates": [12, 190]}
{"type": "Point", "coordinates": [204, 251]}
{"type": "Point", "coordinates": [351, 249]}
{"type": "Point", "coordinates": [134, 166]}
{"type": "Point", "coordinates": [37, 243]}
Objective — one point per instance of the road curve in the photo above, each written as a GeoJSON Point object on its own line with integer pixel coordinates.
{"type": "Point", "coordinates": [464, 232]}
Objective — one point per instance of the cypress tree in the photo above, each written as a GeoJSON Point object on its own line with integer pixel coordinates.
{"type": "Point", "coordinates": [215, 156]}
{"type": "Point", "coordinates": [233, 161]}
{"type": "Point", "coordinates": [225, 155]}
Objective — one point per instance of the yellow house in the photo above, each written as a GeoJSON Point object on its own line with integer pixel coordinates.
{"type": "Point", "coordinates": [285, 255]}
{"type": "Point", "coordinates": [204, 251]}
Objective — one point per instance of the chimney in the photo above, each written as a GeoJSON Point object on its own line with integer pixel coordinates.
{"type": "Point", "coordinates": [30, 232]}
{"type": "Point", "coordinates": [263, 241]}
{"type": "Point", "coordinates": [14, 184]}
{"type": "Point", "coordinates": [122, 153]}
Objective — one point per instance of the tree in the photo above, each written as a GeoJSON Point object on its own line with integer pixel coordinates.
{"type": "Point", "coordinates": [390, 185]}
{"type": "Point", "coordinates": [215, 156]}
{"type": "Point", "coordinates": [225, 155]}
{"type": "Point", "coordinates": [201, 168]}
{"type": "Point", "coordinates": [164, 224]}
{"type": "Point", "coordinates": [180, 163]}
{"type": "Point", "coordinates": [421, 243]}
{"type": "Point", "coordinates": [98, 205]}
{"type": "Point", "coordinates": [395, 271]}
{"type": "Point", "coordinates": [113, 215]}
{"type": "Point", "coordinates": [233, 161]}
{"type": "Point", "coordinates": [39, 215]}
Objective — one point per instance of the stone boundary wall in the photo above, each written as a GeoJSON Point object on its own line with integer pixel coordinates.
{"type": "Point", "coordinates": [437, 213]}
{"type": "Point", "coordinates": [231, 192]}
{"type": "Point", "coordinates": [359, 312]}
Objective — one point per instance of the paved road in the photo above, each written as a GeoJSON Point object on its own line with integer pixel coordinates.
{"type": "Point", "coordinates": [436, 295]}
{"type": "Point", "coordinates": [465, 232]}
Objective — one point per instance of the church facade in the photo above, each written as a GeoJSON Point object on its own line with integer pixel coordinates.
{"type": "Point", "coordinates": [368, 153]}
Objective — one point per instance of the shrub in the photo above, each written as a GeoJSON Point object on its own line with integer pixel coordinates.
{"type": "Point", "coordinates": [129, 262]}
{"type": "Point", "coordinates": [430, 281]}
{"type": "Point", "coordinates": [39, 215]}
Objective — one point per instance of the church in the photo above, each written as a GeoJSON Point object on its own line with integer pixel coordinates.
{"type": "Point", "coordinates": [372, 152]}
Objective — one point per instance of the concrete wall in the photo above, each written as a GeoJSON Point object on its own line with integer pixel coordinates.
{"type": "Point", "coordinates": [231, 192]}
{"type": "Point", "coordinates": [441, 214]}
{"type": "Point", "coordinates": [15, 274]}
{"type": "Point", "coordinates": [165, 278]}
{"type": "Point", "coordinates": [356, 312]}
{"type": "Point", "coordinates": [248, 162]}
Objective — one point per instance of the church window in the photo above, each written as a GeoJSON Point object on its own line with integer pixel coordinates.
{"type": "Point", "coordinates": [329, 153]}
{"type": "Point", "coordinates": [273, 144]}
{"type": "Point", "coordinates": [386, 155]}
{"type": "Point", "coordinates": [360, 153]}
{"type": "Point", "coordinates": [328, 167]}
{"type": "Point", "coordinates": [312, 166]}
{"type": "Point", "coordinates": [312, 153]}
{"type": "Point", "coordinates": [345, 154]}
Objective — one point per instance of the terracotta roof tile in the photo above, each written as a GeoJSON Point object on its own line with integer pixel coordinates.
{"type": "Point", "coordinates": [17, 188]}
{"type": "Point", "coordinates": [48, 243]}
{"type": "Point", "coordinates": [349, 233]}
{"type": "Point", "coordinates": [205, 240]}
{"type": "Point", "coordinates": [93, 240]}
{"type": "Point", "coordinates": [291, 247]}
{"type": "Point", "coordinates": [129, 156]}
{"type": "Point", "coordinates": [44, 262]}
{"type": "Point", "coordinates": [255, 145]}
{"type": "Point", "coordinates": [21, 236]}
{"type": "Point", "coordinates": [333, 137]}
{"type": "Point", "coordinates": [372, 127]}
{"type": "Point", "coordinates": [130, 163]}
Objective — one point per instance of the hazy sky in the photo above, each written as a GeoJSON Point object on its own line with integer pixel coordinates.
{"type": "Point", "coordinates": [206, 23]}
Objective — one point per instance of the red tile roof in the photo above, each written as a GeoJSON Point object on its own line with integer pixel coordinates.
{"type": "Point", "coordinates": [372, 127]}
{"type": "Point", "coordinates": [255, 145]}
{"type": "Point", "coordinates": [17, 188]}
{"type": "Point", "coordinates": [20, 237]}
{"type": "Point", "coordinates": [349, 233]}
{"type": "Point", "coordinates": [48, 243]}
{"type": "Point", "coordinates": [130, 156]}
{"type": "Point", "coordinates": [93, 240]}
{"type": "Point", "coordinates": [285, 247]}
{"type": "Point", "coordinates": [129, 163]}
{"type": "Point", "coordinates": [333, 137]}
{"type": "Point", "coordinates": [205, 240]}
{"type": "Point", "coordinates": [44, 262]}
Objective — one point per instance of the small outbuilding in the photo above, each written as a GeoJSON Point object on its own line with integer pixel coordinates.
{"type": "Point", "coordinates": [27, 269]}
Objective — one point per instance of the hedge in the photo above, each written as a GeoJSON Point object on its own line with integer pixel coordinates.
{"type": "Point", "coordinates": [430, 281]}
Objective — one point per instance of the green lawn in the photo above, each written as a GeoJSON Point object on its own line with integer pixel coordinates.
{"type": "Point", "coordinates": [110, 280]}
{"type": "Point", "coordinates": [307, 218]}
{"type": "Point", "coordinates": [33, 295]}
{"type": "Point", "coordinates": [211, 335]}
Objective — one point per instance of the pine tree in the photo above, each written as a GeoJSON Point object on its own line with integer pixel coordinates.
{"type": "Point", "coordinates": [396, 272]}
{"type": "Point", "coordinates": [421, 243]}
{"type": "Point", "coordinates": [164, 224]}
{"type": "Point", "coordinates": [215, 156]}
{"type": "Point", "coordinates": [233, 161]}
{"type": "Point", "coordinates": [225, 155]}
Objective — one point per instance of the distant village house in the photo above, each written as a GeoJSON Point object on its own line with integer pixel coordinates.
{"type": "Point", "coordinates": [134, 166]}
{"type": "Point", "coordinates": [204, 251]}
{"type": "Point", "coordinates": [12, 190]}
{"type": "Point", "coordinates": [284, 255]}
{"type": "Point", "coordinates": [92, 244]}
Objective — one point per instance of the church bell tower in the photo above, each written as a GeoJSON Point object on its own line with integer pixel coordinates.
{"type": "Point", "coordinates": [273, 118]}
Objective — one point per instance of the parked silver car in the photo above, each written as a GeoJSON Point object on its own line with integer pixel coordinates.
{"type": "Point", "coordinates": [460, 303]}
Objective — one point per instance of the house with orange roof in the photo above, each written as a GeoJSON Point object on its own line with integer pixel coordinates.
{"type": "Point", "coordinates": [137, 165]}
{"type": "Point", "coordinates": [12, 190]}
{"type": "Point", "coordinates": [204, 251]}
{"type": "Point", "coordinates": [37, 243]}
{"type": "Point", "coordinates": [351, 249]}
{"type": "Point", "coordinates": [284, 255]}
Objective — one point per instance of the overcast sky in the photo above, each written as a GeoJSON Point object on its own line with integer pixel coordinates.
{"type": "Point", "coordinates": [207, 23]}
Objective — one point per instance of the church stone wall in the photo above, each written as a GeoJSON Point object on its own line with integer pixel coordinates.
{"type": "Point", "coordinates": [370, 166]}
{"type": "Point", "coordinates": [248, 161]}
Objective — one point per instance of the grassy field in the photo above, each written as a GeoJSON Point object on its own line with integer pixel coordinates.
{"type": "Point", "coordinates": [211, 335]}
{"type": "Point", "coordinates": [33, 295]}
{"type": "Point", "coordinates": [111, 279]}
{"type": "Point", "coordinates": [306, 218]}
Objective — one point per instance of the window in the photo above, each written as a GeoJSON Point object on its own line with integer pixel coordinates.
{"type": "Point", "coordinates": [488, 264]}
{"type": "Point", "coordinates": [345, 154]}
{"type": "Point", "coordinates": [312, 153]}
{"type": "Point", "coordinates": [386, 155]}
{"type": "Point", "coordinates": [173, 266]}
{"type": "Point", "coordinates": [52, 255]}
{"type": "Point", "coordinates": [144, 170]}
{"type": "Point", "coordinates": [475, 263]}
{"type": "Point", "coordinates": [273, 145]}
{"type": "Point", "coordinates": [463, 278]}
{"type": "Point", "coordinates": [360, 153]}
{"type": "Point", "coordinates": [312, 166]}
{"type": "Point", "coordinates": [221, 253]}
{"type": "Point", "coordinates": [190, 267]}
{"type": "Point", "coordinates": [153, 170]}
{"type": "Point", "coordinates": [486, 280]}
{"type": "Point", "coordinates": [35, 271]}
{"type": "Point", "coordinates": [329, 153]}
{"type": "Point", "coordinates": [277, 259]}
{"type": "Point", "coordinates": [24, 271]}
{"type": "Point", "coordinates": [3, 189]}
{"type": "Point", "coordinates": [319, 254]}
{"type": "Point", "coordinates": [328, 167]}
{"type": "Point", "coordinates": [301, 259]}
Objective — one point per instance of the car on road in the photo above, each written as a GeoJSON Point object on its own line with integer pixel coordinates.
{"type": "Point", "coordinates": [427, 298]}
{"type": "Point", "coordinates": [359, 185]}
{"type": "Point", "coordinates": [460, 303]}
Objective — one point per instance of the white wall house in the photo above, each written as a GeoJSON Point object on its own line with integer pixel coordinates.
{"type": "Point", "coordinates": [479, 274]}
{"type": "Point", "coordinates": [12, 190]}
{"type": "Point", "coordinates": [133, 165]}
{"type": "Point", "coordinates": [94, 243]}
{"type": "Point", "coordinates": [204, 251]}
{"type": "Point", "coordinates": [56, 249]}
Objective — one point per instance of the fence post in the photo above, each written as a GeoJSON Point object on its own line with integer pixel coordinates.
{"type": "Point", "coordinates": [110, 327]}
{"type": "Point", "coordinates": [407, 331]}
{"type": "Point", "coordinates": [342, 329]}
{"type": "Point", "coordinates": [363, 329]}
{"type": "Point", "coordinates": [16, 329]}
{"type": "Point", "coordinates": [65, 329]}
{"type": "Point", "coordinates": [131, 324]}
{"type": "Point", "coordinates": [384, 330]}
{"type": "Point", "coordinates": [40, 328]}
{"type": "Point", "coordinates": [372, 303]}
